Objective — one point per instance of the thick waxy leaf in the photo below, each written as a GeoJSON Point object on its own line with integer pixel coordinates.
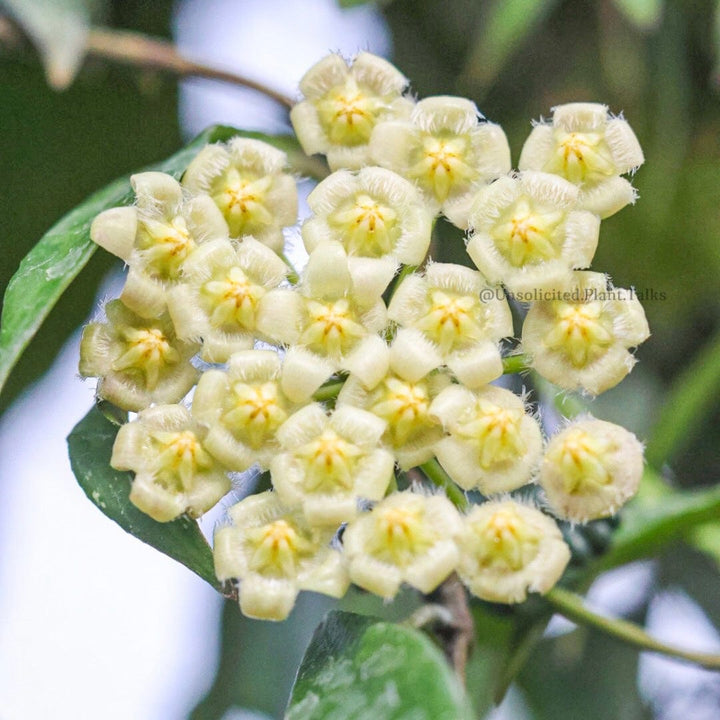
{"type": "Point", "coordinates": [357, 667]}
{"type": "Point", "coordinates": [48, 269]}
{"type": "Point", "coordinates": [90, 444]}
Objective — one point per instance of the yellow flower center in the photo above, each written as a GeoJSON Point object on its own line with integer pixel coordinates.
{"type": "Point", "coordinates": [332, 328]}
{"type": "Point", "coordinates": [277, 548]}
{"type": "Point", "coordinates": [579, 458]}
{"type": "Point", "coordinates": [581, 331]}
{"type": "Point", "coordinates": [528, 235]}
{"type": "Point", "coordinates": [581, 157]}
{"type": "Point", "coordinates": [496, 432]}
{"type": "Point", "coordinates": [329, 462]}
{"type": "Point", "coordinates": [452, 320]}
{"type": "Point", "coordinates": [367, 227]}
{"type": "Point", "coordinates": [505, 541]}
{"type": "Point", "coordinates": [405, 407]}
{"type": "Point", "coordinates": [242, 198]}
{"type": "Point", "coordinates": [233, 300]}
{"type": "Point", "coordinates": [180, 456]}
{"type": "Point", "coordinates": [400, 535]}
{"type": "Point", "coordinates": [257, 411]}
{"type": "Point", "coordinates": [146, 350]}
{"type": "Point", "coordinates": [348, 114]}
{"type": "Point", "coordinates": [444, 165]}
{"type": "Point", "coordinates": [164, 246]}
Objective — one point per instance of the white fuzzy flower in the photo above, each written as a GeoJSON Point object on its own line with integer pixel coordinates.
{"type": "Point", "coordinates": [274, 554]}
{"type": "Point", "coordinates": [328, 463]}
{"type": "Point", "coordinates": [590, 148]}
{"type": "Point", "coordinates": [580, 342]}
{"type": "Point", "coordinates": [450, 307]}
{"type": "Point", "coordinates": [379, 217]}
{"type": "Point", "coordinates": [402, 397]}
{"type": "Point", "coordinates": [528, 233]}
{"type": "Point", "coordinates": [508, 549]}
{"type": "Point", "coordinates": [138, 361]}
{"type": "Point", "coordinates": [590, 469]}
{"type": "Point", "coordinates": [174, 473]}
{"type": "Point", "coordinates": [245, 179]}
{"type": "Point", "coordinates": [342, 105]}
{"type": "Point", "coordinates": [407, 537]}
{"type": "Point", "coordinates": [243, 408]}
{"type": "Point", "coordinates": [493, 444]}
{"type": "Point", "coordinates": [326, 323]}
{"type": "Point", "coordinates": [223, 287]}
{"type": "Point", "coordinates": [155, 237]}
{"type": "Point", "coordinates": [446, 150]}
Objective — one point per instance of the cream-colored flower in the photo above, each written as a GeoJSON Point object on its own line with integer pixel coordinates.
{"type": "Point", "coordinates": [446, 150]}
{"type": "Point", "coordinates": [243, 409]}
{"type": "Point", "coordinates": [245, 178]}
{"type": "Point", "coordinates": [155, 237]}
{"type": "Point", "coordinates": [493, 444]}
{"type": "Point", "coordinates": [581, 341]}
{"type": "Point", "coordinates": [407, 537]}
{"type": "Point", "coordinates": [174, 473]}
{"type": "Point", "coordinates": [329, 463]}
{"type": "Point", "coordinates": [342, 105]}
{"type": "Point", "coordinates": [326, 325]}
{"type": "Point", "coordinates": [590, 469]}
{"type": "Point", "coordinates": [138, 361]}
{"type": "Point", "coordinates": [450, 307]}
{"type": "Point", "coordinates": [223, 287]}
{"type": "Point", "coordinates": [508, 549]}
{"type": "Point", "coordinates": [379, 217]}
{"type": "Point", "coordinates": [589, 147]}
{"type": "Point", "coordinates": [274, 554]}
{"type": "Point", "coordinates": [402, 397]}
{"type": "Point", "coordinates": [528, 233]}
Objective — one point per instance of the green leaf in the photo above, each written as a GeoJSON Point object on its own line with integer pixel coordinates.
{"type": "Point", "coordinates": [651, 522]}
{"type": "Point", "coordinates": [248, 648]}
{"type": "Point", "coordinates": [505, 27]}
{"type": "Point", "coordinates": [48, 269]}
{"type": "Point", "coordinates": [358, 668]}
{"type": "Point", "coordinates": [644, 14]}
{"type": "Point", "coordinates": [527, 633]}
{"type": "Point", "coordinates": [90, 445]}
{"type": "Point", "coordinates": [58, 29]}
{"type": "Point", "coordinates": [692, 398]}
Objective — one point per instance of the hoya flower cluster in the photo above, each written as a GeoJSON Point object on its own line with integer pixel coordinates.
{"type": "Point", "coordinates": [374, 370]}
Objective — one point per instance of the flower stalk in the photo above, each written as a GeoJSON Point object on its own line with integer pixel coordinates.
{"type": "Point", "coordinates": [572, 607]}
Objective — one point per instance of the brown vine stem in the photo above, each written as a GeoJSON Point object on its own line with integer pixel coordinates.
{"type": "Point", "coordinates": [137, 50]}
{"type": "Point", "coordinates": [458, 637]}
{"type": "Point", "coordinates": [451, 621]}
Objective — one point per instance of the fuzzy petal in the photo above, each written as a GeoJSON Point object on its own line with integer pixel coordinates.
{"type": "Point", "coordinates": [370, 277]}
{"type": "Point", "coordinates": [369, 360]}
{"type": "Point", "coordinates": [537, 148]}
{"type": "Point", "coordinates": [114, 230]}
{"type": "Point", "coordinates": [606, 198]}
{"type": "Point", "coordinates": [412, 355]}
{"type": "Point", "coordinates": [303, 373]}
{"type": "Point", "coordinates": [478, 365]}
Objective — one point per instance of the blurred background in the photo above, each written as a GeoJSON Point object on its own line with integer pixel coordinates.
{"type": "Point", "coordinates": [95, 624]}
